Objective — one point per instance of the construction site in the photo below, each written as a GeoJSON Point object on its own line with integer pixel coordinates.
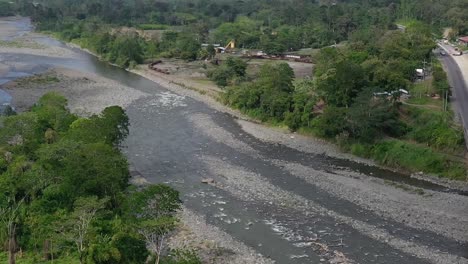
{"type": "Point", "coordinates": [194, 73]}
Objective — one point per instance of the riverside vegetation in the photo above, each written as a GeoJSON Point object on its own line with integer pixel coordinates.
{"type": "Point", "coordinates": [66, 192]}
{"type": "Point", "coordinates": [180, 26]}
{"type": "Point", "coordinates": [338, 104]}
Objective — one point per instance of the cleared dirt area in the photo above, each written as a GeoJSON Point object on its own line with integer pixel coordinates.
{"type": "Point", "coordinates": [192, 75]}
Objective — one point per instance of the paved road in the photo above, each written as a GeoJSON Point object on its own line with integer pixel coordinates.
{"type": "Point", "coordinates": [459, 84]}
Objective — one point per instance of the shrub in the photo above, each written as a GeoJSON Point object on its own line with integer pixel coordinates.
{"type": "Point", "coordinates": [435, 130]}
{"type": "Point", "coordinates": [360, 150]}
{"type": "Point", "coordinates": [233, 69]}
{"type": "Point", "coordinates": [331, 123]}
{"type": "Point", "coordinates": [416, 158]}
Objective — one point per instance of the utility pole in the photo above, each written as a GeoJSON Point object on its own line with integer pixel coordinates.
{"type": "Point", "coordinates": [424, 69]}
{"type": "Point", "coordinates": [446, 101]}
{"type": "Point", "coordinates": [445, 96]}
{"type": "Point", "coordinates": [329, 4]}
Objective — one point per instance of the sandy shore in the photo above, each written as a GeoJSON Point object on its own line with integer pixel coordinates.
{"type": "Point", "coordinates": [28, 44]}
{"type": "Point", "coordinates": [16, 37]}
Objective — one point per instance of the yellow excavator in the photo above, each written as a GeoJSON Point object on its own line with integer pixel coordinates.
{"type": "Point", "coordinates": [230, 45]}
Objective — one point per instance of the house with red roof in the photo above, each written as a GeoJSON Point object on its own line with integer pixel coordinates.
{"type": "Point", "coordinates": [463, 40]}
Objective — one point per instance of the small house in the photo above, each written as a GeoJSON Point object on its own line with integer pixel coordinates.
{"type": "Point", "coordinates": [420, 73]}
{"type": "Point", "coordinates": [206, 45]}
{"type": "Point", "coordinates": [463, 41]}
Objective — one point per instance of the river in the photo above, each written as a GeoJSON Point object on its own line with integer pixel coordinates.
{"type": "Point", "coordinates": [262, 200]}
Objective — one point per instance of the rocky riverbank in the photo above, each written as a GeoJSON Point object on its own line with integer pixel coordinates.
{"type": "Point", "coordinates": [290, 184]}
{"type": "Point", "coordinates": [87, 94]}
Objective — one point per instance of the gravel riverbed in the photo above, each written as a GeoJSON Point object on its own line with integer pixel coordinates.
{"type": "Point", "coordinates": [290, 186]}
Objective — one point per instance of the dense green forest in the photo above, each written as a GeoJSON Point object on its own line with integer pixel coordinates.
{"type": "Point", "coordinates": [340, 103]}
{"type": "Point", "coordinates": [66, 192]}
{"type": "Point", "coordinates": [373, 56]}
{"type": "Point", "coordinates": [274, 26]}
{"type": "Point", "coordinates": [66, 184]}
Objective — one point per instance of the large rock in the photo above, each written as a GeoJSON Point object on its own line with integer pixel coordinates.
{"type": "Point", "coordinates": [208, 181]}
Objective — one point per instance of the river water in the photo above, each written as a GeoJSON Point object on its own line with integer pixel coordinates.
{"type": "Point", "coordinates": [165, 145]}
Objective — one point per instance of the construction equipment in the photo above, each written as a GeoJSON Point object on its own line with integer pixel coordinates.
{"type": "Point", "coordinates": [231, 45]}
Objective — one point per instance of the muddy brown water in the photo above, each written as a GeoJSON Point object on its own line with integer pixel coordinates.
{"type": "Point", "coordinates": [164, 146]}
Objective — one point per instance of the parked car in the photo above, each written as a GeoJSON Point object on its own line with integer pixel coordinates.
{"type": "Point", "coordinates": [443, 53]}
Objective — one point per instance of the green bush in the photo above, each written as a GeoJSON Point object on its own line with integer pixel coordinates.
{"type": "Point", "coordinates": [131, 247]}
{"type": "Point", "coordinates": [233, 69]}
{"type": "Point", "coordinates": [60, 171]}
{"type": "Point", "coordinates": [221, 76]}
{"type": "Point", "coordinates": [269, 97]}
{"type": "Point", "coordinates": [435, 129]}
{"type": "Point", "coordinates": [360, 150]}
{"type": "Point", "coordinates": [293, 120]}
{"type": "Point", "coordinates": [416, 158]}
{"type": "Point", "coordinates": [6, 8]}
{"type": "Point", "coordinates": [331, 123]}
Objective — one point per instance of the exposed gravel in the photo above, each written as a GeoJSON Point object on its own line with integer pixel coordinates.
{"type": "Point", "coordinates": [38, 50]}
{"type": "Point", "coordinates": [16, 37]}
{"type": "Point", "coordinates": [86, 93]}
{"type": "Point", "coordinates": [274, 135]}
{"type": "Point", "coordinates": [443, 213]}
{"type": "Point", "coordinates": [89, 94]}
{"type": "Point", "coordinates": [318, 146]}
{"type": "Point", "coordinates": [205, 125]}
{"type": "Point", "coordinates": [213, 245]}
{"type": "Point", "coordinates": [250, 186]}
{"type": "Point", "coordinates": [10, 27]}
{"type": "Point", "coordinates": [253, 187]}
{"type": "Point", "coordinates": [28, 45]}
{"type": "Point", "coordinates": [296, 141]}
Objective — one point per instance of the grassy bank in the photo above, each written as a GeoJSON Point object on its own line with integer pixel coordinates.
{"type": "Point", "coordinates": [395, 153]}
{"type": "Point", "coordinates": [410, 157]}
{"type": "Point", "coordinates": [404, 155]}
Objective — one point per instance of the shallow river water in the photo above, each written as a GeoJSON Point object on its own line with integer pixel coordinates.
{"type": "Point", "coordinates": [166, 144]}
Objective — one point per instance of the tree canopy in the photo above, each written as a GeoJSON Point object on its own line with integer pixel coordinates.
{"type": "Point", "coordinates": [66, 190]}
